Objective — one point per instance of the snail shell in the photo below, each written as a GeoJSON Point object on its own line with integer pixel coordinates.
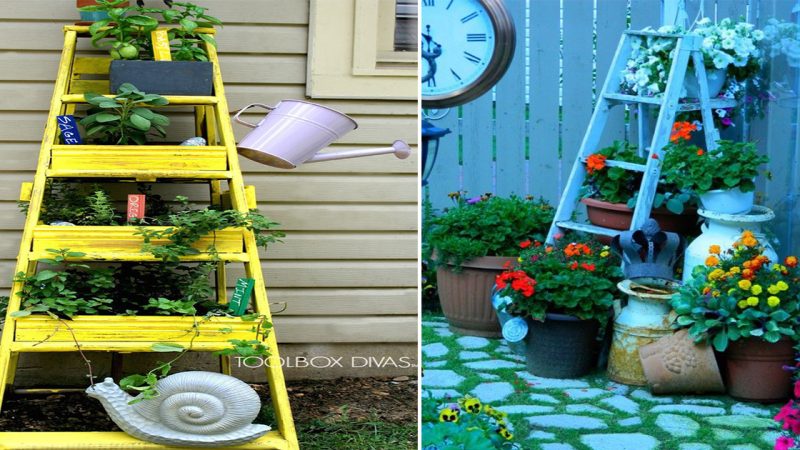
{"type": "Point", "coordinates": [201, 409]}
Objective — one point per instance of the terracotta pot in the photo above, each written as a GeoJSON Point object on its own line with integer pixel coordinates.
{"type": "Point", "coordinates": [674, 364]}
{"type": "Point", "coordinates": [561, 346]}
{"type": "Point", "coordinates": [88, 17]}
{"type": "Point", "coordinates": [466, 296]}
{"type": "Point", "coordinates": [618, 216]}
{"type": "Point", "coordinates": [755, 370]}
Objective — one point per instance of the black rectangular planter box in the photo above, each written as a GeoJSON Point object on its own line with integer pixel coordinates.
{"type": "Point", "coordinates": [163, 77]}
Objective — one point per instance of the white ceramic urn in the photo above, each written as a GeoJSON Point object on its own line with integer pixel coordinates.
{"type": "Point", "coordinates": [724, 230]}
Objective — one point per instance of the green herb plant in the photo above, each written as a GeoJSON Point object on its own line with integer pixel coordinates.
{"type": "Point", "coordinates": [614, 184]}
{"type": "Point", "coordinates": [76, 203]}
{"type": "Point", "coordinates": [125, 118]}
{"type": "Point", "coordinates": [125, 30]}
{"type": "Point", "coordinates": [189, 18]}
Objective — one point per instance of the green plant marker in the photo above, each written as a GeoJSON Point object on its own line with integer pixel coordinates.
{"type": "Point", "coordinates": [241, 296]}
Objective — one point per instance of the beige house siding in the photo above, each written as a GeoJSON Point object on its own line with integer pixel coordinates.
{"type": "Point", "coordinates": [347, 270]}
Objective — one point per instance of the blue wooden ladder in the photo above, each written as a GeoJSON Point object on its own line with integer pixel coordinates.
{"type": "Point", "coordinates": [687, 46]}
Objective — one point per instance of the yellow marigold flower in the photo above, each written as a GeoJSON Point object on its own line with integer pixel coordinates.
{"type": "Point", "coordinates": [752, 301]}
{"type": "Point", "coordinates": [604, 254]}
{"type": "Point", "coordinates": [715, 293]}
{"type": "Point", "coordinates": [750, 241]}
{"type": "Point", "coordinates": [448, 415]}
{"type": "Point", "coordinates": [756, 289]}
{"type": "Point", "coordinates": [747, 233]}
{"type": "Point", "coordinates": [745, 284]}
{"type": "Point", "coordinates": [714, 249]}
{"type": "Point", "coordinates": [772, 289]}
{"type": "Point", "coordinates": [735, 269]}
{"type": "Point", "coordinates": [519, 259]}
{"type": "Point", "coordinates": [472, 405]}
{"type": "Point", "coordinates": [742, 304]}
{"type": "Point", "coordinates": [782, 285]}
{"type": "Point", "coordinates": [712, 261]}
{"type": "Point", "coordinates": [773, 301]}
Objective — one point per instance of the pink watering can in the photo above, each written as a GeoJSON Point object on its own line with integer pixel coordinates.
{"type": "Point", "coordinates": [294, 131]}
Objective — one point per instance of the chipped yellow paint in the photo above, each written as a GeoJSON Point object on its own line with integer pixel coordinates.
{"type": "Point", "coordinates": [126, 334]}
{"type": "Point", "coordinates": [25, 191]}
{"type": "Point", "coordinates": [160, 41]}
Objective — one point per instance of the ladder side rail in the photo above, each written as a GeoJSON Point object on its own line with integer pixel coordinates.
{"type": "Point", "coordinates": [710, 131]}
{"type": "Point", "coordinates": [567, 202]}
{"type": "Point", "coordinates": [37, 194]}
{"type": "Point", "coordinates": [643, 126]}
{"type": "Point", "coordinates": [662, 131]}
{"type": "Point", "coordinates": [280, 397]}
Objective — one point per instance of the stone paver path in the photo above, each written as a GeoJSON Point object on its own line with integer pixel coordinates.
{"type": "Point", "coordinates": [589, 413]}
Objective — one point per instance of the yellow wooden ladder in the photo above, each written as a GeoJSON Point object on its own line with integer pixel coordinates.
{"type": "Point", "coordinates": [214, 164]}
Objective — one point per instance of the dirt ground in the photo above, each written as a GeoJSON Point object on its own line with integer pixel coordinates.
{"type": "Point", "coordinates": [390, 400]}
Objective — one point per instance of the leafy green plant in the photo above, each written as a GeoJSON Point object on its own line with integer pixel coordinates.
{"type": "Point", "coordinates": [612, 184]}
{"type": "Point", "coordinates": [124, 119]}
{"type": "Point", "coordinates": [189, 19]}
{"type": "Point", "coordinates": [124, 31]}
{"type": "Point", "coordinates": [76, 203]}
{"type": "Point", "coordinates": [465, 423]}
{"type": "Point", "coordinates": [166, 307]}
{"type": "Point", "coordinates": [740, 294]}
{"type": "Point", "coordinates": [487, 226]}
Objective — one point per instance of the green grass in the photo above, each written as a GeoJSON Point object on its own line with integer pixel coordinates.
{"type": "Point", "coordinates": [362, 435]}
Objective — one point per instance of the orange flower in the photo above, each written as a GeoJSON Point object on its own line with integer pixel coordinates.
{"type": "Point", "coordinates": [791, 261]}
{"type": "Point", "coordinates": [700, 152]}
{"type": "Point", "coordinates": [748, 274]}
{"type": "Point", "coordinates": [574, 265]}
{"type": "Point", "coordinates": [712, 261]}
{"type": "Point", "coordinates": [682, 130]}
{"type": "Point", "coordinates": [749, 241]}
{"type": "Point", "coordinates": [595, 162]}
{"type": "Point", "coordinates": [714, 249]}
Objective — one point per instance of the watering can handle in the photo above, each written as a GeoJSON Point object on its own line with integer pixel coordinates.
{"type": "Point", "coordinates": [241, 121]}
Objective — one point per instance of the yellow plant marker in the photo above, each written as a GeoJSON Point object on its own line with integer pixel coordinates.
{"type": "Point", "coordinates": [25, 191]}
{"type": "Point", "coordinates": [160, 41]}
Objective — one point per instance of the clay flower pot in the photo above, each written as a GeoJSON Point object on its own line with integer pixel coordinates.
{"type": "Point", "coordinates": [618, 216]}
{"type": "Point", "coordinates": [674, 364]}
{"type": "Point", "coordinates": [755, 370]}
{"type": "Point", "coordinates": [466, 296]}
{"type": "Point", "coordinates": [561, 346]}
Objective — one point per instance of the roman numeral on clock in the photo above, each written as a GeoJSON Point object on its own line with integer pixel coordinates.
{"type": "Point", "coordinates": [455, 74]}
{"type": "Point", "coordinates": [469, 17]}
{"type": "Point", "coordinates": [471, 58]}
{"type": "Point", "coordinates": [476, 37]}
{"type": "Point", "coordinates": [428, 2]}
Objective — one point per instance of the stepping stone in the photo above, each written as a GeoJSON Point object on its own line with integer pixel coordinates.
{"type": "Point", "coordinates": [472, 342]}
{"type": "Point", "coordinates": [567, 422]}
{"type": "Point", "coordinates": [689, 409]}
{"type": "Point", "coordinates": [469, 355]}
{"type": "Point", "coordinates": [427, 323]}
{"type": "Point", "coordinates": [433, 364]}
{"type": "Point", "coordinates": [502, 349]}
{"type": "Point", "coordinates": [726, 435]}
{"type": "Point", "coordinates": [436, 350]}
{"type": "Point", "coordinates": [583, 408]}
{"type": "Point", "coordinates": [617, 388]}
{"type": "Point", "coordinates": [515, 357]}
{"type": "Point", "coordinates": [621, 403]}
{"type": "Point", "coordinates": [525, 409]}
{"type": "Point", "coordinates": [443, 393]}
{"type": "Point", "coordinates": [493, 365]}
{"type": "Point", "coordinates": [703, 401]}
{"type": "Point", "coordinates": [747, 410]}
{"type": "Point", "coordinates": [620, 441]}
{"type": "Point", "coordinates": [770, 437]}
{"type": "Point", "coordinates": [441, 378]}
{"type": "Point", "coordinates": [543, 398]}
{"type": "Point", "coordinates": [679, 426]}
{"type": "Point", "coordinates": [646, 396]}
{"type": "Point", "coordinates": [542, 436]}
{"type": "Point", "coordinates": [631, 421]}
{"type": "Point", "coordinates": [695, 446]}
{"type": "Point", "coordinates": [443, 332]}
{"type": "Point", "coordinates": [741, 422]}
{"type": "Point", "coordinates": [550, 383]}
{"type": "Point", "coordinates": [582, 394]}
{"type": "Point", "coordinates": [743, 447]}
{"type": "Point", "coordinates": [556, 447]}
{"type": "Point", "coordinates": [489, 376]}
{"type": "Point", "coordinates": [492, 392]}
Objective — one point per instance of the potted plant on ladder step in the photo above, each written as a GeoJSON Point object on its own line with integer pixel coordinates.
{"type": "Point", "coordinates": [471, 242]}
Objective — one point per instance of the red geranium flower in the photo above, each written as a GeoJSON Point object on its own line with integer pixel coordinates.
{"type": "Point", "coordinates": [525, 244]}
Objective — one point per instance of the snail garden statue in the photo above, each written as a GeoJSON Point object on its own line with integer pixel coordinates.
{"type": "Point", "coordinates": [193, 409]}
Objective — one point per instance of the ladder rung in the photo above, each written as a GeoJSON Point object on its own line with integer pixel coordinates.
{"type": "Point", "coordinates": [144, 175]}
{"type": "Point", "coordinates": [714, 103]}
{"type": "Point", "coordinates": [624, 98]}
{"type": "Point", "coordinates": [173, 99]}
{"type": "Point", "coordinates": [103, 440]}
{"type": "Point", "coordinates": [652, 34]}
{"type": "Point", "coordinates": [146, 257]}
{"type": "Point", "coordinates": [107, 346]}
{"type": "Point", "coordinates": [623, 164]}
{"type": "Point", "coordinates": [587, 228]}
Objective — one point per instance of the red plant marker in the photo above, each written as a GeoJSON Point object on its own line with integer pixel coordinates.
{"type": "Point", "coordinates": [135, 206]}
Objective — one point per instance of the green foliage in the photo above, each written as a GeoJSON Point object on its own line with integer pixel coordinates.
{"type": "Point", "coordinates": [125, 118]}
{"type": "Point", "coordinates": [246, 349]}
{"type": "Point", "coordinates": [487, 226]}
{"type": "Point", "coordinates": [79, 204]}
{"type": "Point", "coordinates": [574, 278]}
{"type": "Point", "coordinates": [430, 295]}
{"type": "Point", "coordinates": [188, 19]}
{"type": "Point", "coordinates": [102, 210]}
{"type": "Point", "coordinates": [166, 307]}
{"type": "Point", "coordinates": [614, 184]}
{"type": "Point", "coordinates": [731, 165]}
{"type": "Point", "coordinates": [465, 425]}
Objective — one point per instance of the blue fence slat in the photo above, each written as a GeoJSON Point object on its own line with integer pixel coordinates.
{"type": "Point", "coordinates": [477, 145]}
{"type": "Point", "coordinates": [510, 104]}
{"type": "Point", "coordinates": [610, 25]}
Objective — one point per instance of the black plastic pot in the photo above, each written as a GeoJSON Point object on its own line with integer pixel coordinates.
{"type": "Point", "coordinates": [562, 346]}
{"type": "Point", "coordinates": [163, 77]}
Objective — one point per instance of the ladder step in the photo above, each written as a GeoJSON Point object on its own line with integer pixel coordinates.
{"type": "Point", "coordinates": [146, 257]}
{"type": "Point", "coordinates": [624, 98]}
{"type": "Point", "coordinates": [651, 34]}
{"type": "Point", "coordinates": [142, 175]}
{"type": "Point", "coordinates": [103, 440]}
{"type": "Point", "coordinates": [173, 99]}
{"type": "Point", "coordinates": [714, 103]}
{"type": "Point", "coordinates": [587, 228]}
{"type": "Point", "coordinates": [693, 105]}
{"type": "Point", "coordinates": [623, 164]}
{"type": "Point", "coordinates": [106, 346]}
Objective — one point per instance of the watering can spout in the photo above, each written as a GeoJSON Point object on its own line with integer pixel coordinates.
{"type": "Point", "coordinates": [400, 149]}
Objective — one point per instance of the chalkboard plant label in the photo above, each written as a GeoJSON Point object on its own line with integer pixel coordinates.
{"type": "Point", "coordinates": [70, 135]}
{"type": "Point", "coordinates": [241, 296]}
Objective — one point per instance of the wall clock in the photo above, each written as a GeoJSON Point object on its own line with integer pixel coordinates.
{"type": "Point", "coordinates": [467, 45]}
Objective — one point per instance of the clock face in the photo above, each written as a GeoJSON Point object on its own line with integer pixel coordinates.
{"type": "Point", "coordinates": [458, 41]}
